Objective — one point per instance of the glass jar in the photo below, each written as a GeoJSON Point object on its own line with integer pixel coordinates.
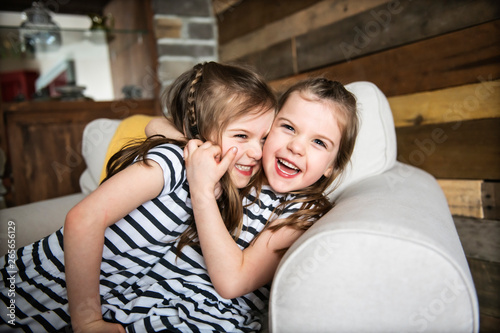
{"type": "Point", "coordinates": [39, 33]}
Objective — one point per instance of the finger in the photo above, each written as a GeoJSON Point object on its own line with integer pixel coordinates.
{"type": "Point", "coordinates": [207, 144]}
{"type": "Point", "coordinates": [228, 158]}
{"type": "Point", "coordinates": [197, 141]}
{"type": "Point", "coordinates": [214, 150]}
{"type": "Point", "coordinates": [193, 145]}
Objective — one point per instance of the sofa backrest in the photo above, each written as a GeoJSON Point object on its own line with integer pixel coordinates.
{"type": "Point", "coordinates": [375, 149]}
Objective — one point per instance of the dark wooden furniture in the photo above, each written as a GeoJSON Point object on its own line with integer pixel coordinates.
{"type": "Point", "coordinates": [43, 140]}
{"type": "Point", "coordinates": [44, 143]}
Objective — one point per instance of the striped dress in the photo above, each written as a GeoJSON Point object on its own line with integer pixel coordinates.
{"type": "Point", "coordinates": [144, 285]}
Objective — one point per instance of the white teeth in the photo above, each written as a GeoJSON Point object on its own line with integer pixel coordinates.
{"type": "Point", "coordinates": [288, 164]}
{"type": "Point", "coordinates": [242, 167]}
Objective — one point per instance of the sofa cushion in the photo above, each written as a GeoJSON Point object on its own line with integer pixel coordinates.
{"type": "Point", "coordinates": [375, 149]}
{"type": "Point", "coordinates": [101, 139]}
{"type": "Point", "coordinates": [96, 137]}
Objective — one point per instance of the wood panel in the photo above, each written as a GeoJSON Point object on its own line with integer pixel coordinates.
{"type": "Point", "coordinates": [479, 238]}
{"type": "Point", "coordinates": [490, 196]}
{"type": "Point", "coordinates": [388, 26]}
{"type": "Point", "coordinates": [480, 242]}
{"type": "Point", "coordinates": [45, 143]}
{"type": "Point", "coordinates": [486, 277]}
{"type": "Point", "coordinates": [463, 197]}
{"type": "Point", "coordinates": [488, 324]}
{"type": "Point", "coordinates": [472, 198]}
{"type": "Point", "coordinates": [279, 60]}
{"type": "Point", "coordinates": [472, 101]}
{"type": "Point", "coordinates": [316, 16]}
{"type": "Point", "coordinates": [250, 15]}
{"type": "Point", "coordinates": [435, 63]}
{"type": "Point", "coordinates": [461, 150]}
{"type": "Point", "coordinates": [220, 6]}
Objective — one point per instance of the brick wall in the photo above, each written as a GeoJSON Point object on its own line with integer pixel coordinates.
{"type": "Point", "coordinates": [186, 33]}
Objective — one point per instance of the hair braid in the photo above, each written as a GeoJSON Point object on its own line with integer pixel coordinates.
{"type": "Point", "coordinates": [193, 123]}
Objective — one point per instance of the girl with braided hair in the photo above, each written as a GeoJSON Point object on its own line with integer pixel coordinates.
{"type": "Point", "coordinates": [128, 257]}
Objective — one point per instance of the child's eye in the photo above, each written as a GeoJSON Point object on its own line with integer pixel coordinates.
{"type": "Point", "coordinates": [288, 127]}
{"type": "Point", "coordinates": [242, 136]}
{"type": "Point", "coordinates": [319, 142]}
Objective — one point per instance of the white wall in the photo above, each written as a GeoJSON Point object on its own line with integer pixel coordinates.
{"type": "Point", "coordinates": [88, 50]}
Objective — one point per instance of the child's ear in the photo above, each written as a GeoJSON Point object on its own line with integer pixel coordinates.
{"type": "Point", "coordinates": [328, 172]}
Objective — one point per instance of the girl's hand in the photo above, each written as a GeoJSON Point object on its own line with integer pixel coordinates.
{"type": "Point", "coordinates": [100, 326]}
{"type": "Point", "coordinates": [204, 166]}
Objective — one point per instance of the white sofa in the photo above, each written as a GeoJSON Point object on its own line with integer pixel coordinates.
{"type": "Point", "coordinates": [387, 258]}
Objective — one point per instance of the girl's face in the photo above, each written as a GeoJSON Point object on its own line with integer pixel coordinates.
{"type": "Point", "coordinates": [302, 144]}
{"type": "Point", "coordinates": [247, 133]}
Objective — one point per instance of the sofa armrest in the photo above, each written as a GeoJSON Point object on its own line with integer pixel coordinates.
{"type": "Point", "coordinates": [387, 258]}
{"type": "Point", "coordinates": [35, 220]}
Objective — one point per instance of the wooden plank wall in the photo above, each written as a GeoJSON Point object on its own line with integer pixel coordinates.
{"type": "Point", "coordinates": [439, 64]}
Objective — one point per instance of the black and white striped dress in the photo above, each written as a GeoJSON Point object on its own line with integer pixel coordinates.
{"type": "Point", "coordinates": [143, 283]}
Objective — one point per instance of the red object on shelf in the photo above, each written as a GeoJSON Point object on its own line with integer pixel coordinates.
{"type": "Point", "coordinates": [18, 85]}
{"type": "Point", "coordinates": [59, 81]}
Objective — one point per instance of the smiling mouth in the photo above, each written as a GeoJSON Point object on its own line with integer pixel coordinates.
{"type": "Point", "coordinates": [244, 168]}
{"type": "Point", "coordinates": [287, 168]}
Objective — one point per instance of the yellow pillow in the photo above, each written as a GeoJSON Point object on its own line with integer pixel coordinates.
{"type": "Point", "coordinates": [129, 129]}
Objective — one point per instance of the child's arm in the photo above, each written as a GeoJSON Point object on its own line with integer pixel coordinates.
{"type": "Point", "coordinates": [84, 239]}
{"type": "Point", "coordinates": [233, 272]}
{"type": "Point", "coordinates": [163, 126]}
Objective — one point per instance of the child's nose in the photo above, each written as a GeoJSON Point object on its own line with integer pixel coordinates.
{"type": "Point", "coordinates": [254, 151]}
{"type": "Point", "coordinates": [297, 146]}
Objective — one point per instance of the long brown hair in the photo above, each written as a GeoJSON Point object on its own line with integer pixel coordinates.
{"type": "Point", "coordinates": [201, 103]}
{"type": "Point", "coordinates": [313, 198]}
